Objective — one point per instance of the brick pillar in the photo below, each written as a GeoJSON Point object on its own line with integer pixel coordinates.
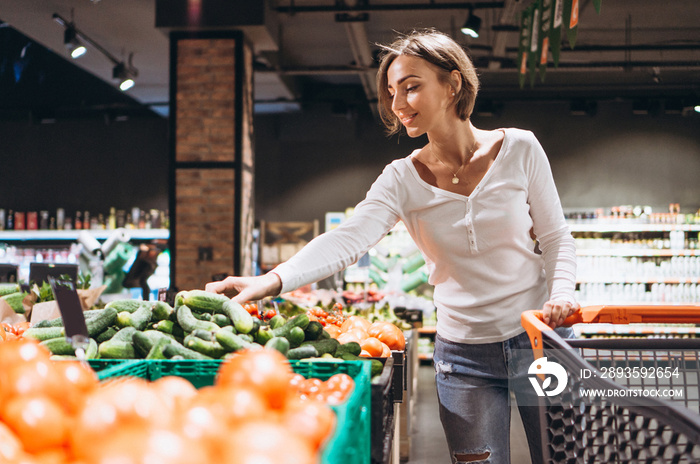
{"type": "Point", "coordinates": [212, 157]}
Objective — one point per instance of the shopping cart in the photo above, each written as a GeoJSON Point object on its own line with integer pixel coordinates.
{"type": "Point", "coordinates": [627, 399]}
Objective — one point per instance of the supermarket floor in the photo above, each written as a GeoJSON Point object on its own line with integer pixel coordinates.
{"type": "Point", "coordinates": [428, 445]}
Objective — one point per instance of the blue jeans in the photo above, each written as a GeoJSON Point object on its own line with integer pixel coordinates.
{"type": "Point", "coordinates": [473, 393]}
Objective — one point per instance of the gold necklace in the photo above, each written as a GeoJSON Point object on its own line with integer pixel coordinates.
{"type": "Point", "coordinates": [455, 179]}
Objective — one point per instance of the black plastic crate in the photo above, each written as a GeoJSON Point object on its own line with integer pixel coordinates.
{"type": "Point", "coordinates": [382, 424]}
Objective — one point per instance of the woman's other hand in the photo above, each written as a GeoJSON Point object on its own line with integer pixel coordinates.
{"type": "Point", "coordinates": [242, 289]}
{"type": "Point", "coordinates": [555, 311]}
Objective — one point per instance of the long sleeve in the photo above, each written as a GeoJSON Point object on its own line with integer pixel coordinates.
{"type": "Point", "coordinates": [339, 248]}
{"type": "Point", "coordinates": [553, 234]}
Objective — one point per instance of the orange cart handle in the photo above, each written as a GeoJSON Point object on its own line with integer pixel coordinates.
{"type": "Point", "coordinates": [654, 314]}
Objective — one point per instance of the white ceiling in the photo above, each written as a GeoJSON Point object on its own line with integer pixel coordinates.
{"type": "Point", "coordinates": [632, 48]}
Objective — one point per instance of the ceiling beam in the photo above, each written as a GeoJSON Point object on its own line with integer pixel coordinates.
{"type": "Point", "coordinates": [367, 6]}
{"type": "Point", "coordinates": [362, 54]}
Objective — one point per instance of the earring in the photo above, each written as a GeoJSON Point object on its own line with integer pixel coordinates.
{"type": "Point", "coordinates": [453, 94]}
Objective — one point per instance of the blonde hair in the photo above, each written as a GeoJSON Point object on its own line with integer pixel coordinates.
{"type": "Point", "coordinates": [438, 49]}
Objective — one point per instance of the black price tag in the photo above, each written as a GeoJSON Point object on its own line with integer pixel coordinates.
{"type": "Point", "coordinates": [69, 304]}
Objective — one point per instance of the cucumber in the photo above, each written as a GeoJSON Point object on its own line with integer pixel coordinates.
{"type": "Point", "coordinates": [145, 341]}
{"type": "Point", "coordinates": [326, 346]}
{"type": "Point", "coordinates": [165, 326]}
{"type": "Point", "coordinates": [229, 328]}
{"type": "Point", "coordinates": [257, 323]}
{"type": "Point", "coordinates": [59, 345]}
{"type": "Point", "coordinates": [57, 322]}
{"type": "Point", "coordinates": [295, 336]}
{"type": "Point", "coordinates": [352, 348]}
{"type": "Point", "coordinates": [324, 335]}
{"type": "Point", "coordinates": [201, 316]}
{"type": "Point", "coordinates": [263, 335]}
{"type": "Point", "coordinates": [280, 344]}
{"type": "Point", "coordinates": [207, 335]}
{"type": "Point", "coordinates": [221, 320]}
{"type": "Point", "coordinates": [125, 305]}
{"type": "Point", "coordinates": [301, 352]}
{"type": "Point", "coordinates": [139, 319]}
{"type": "Point", "coordinates": [203, 301]}
{"type": "Point", "coordinates": [116, 349]}
{"type": "Point", "coordinates": [247, 337]}
{"type": "Point", "coordinates": [189, 323]}
{"type": "Point", "coordinates": [156, 351]}
{"type": "Point", "coordinates": [100, 320]}
{"type": "Point", "coordinates": [176, 349]}
{"type": "Point", "coordinates": [300, 320]}
{"type": "Point", "coordinates": [242, 321]}
{"type": "Point", "coordinates": [231, 341]}
{"type": "Point", "coordinates": [44, 333]}
{"type": "Point", "coordinates": [277, 320]}
{"type": "Point", "coordinates": [120, 346]}
{"type": "Point", "coordinates": [106, 334]}
{"type": "Point", "coordinates": [179, 299]}
{"type": "Point", "coordinates": [209, 348]}
{"type": "Point", "coordinates": [91, 351]}
{"type": "Point", "coordinates": [8, 288]}
{"type": "Point", "coordinates": [313, 331]}
{"type": "Point", "coordinates": [162, 311]}
{"type": "Point", "coordinates": [377, 365]}
{"type": "Point", "coordinates": [15, 301]}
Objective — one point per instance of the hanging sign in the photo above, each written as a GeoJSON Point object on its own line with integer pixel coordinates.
{"type": "Point", "coordinates": [555, 31]}
{"type": "Point", "coordinates": [571, 20]}
{"type": "Point", "coordinates": [596, 4]}
{"type": "Point", "coordinates": [524, 43]}
{"type": "Point", "coordinates": [533, 58]}
{"type": "Point", "coordinates": [545, 29]}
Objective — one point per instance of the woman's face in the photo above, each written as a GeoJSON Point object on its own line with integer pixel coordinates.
{"type": "Point", "coordinates": [418, 98]}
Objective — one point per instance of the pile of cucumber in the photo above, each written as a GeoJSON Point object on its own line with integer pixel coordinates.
{"type": "Point", "coordinates": [201, 325]}
{"type": "Point", "coordinates": [11, 293]}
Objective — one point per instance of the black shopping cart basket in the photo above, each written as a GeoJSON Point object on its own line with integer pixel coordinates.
{"type": "Point", "coordinates": [627, 399]}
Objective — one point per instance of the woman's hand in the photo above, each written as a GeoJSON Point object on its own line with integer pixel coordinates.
{"type": "Point", "coordinates": [555, 311]}
{"type": "Point", "coordinates": [242, 289]}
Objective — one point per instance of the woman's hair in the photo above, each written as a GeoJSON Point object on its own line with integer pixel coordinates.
{"type": "Point", "coordinates": [438, 49]}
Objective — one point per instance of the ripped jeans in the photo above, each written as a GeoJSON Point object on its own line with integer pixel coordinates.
{"type": "Point", "coordinates": [474, 396]}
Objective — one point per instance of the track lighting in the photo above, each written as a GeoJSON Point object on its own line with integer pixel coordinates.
{"type": "Point", "coordinates": [75, 41]}
{"type": "Point", "coordinates": [125, 73]}
{"type": "Point", "coordinates": [74, 46]}
{"type": "Point", "coordinates": [472, 25]}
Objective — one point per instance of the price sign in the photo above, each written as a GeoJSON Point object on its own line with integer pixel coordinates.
{"type": "Point", "coordinates": [71, 310]}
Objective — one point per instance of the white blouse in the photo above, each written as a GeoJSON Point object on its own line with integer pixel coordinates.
{"type": "Point", "coordinates": [478, 250]}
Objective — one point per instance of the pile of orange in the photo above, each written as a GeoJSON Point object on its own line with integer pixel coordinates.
{"type": "Point", "coordinates": [57, 412]}
{"type": "Point", "coordinates": [377, 339]}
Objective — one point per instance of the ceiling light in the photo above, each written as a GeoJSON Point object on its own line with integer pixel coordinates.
{"type": "Point", "coordinates": [125, 74]}
{"type": "Point", "coordinates": [73, 44]}
{"type": "Point", "coordinates": [697, 108]}
{"type": "Point", "coordinates": [472, 25]}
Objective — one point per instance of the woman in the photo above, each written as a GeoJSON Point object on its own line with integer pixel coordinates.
{"type": "Point", "coordinates": [470, 199]}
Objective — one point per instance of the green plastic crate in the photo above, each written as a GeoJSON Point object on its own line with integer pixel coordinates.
{"type": "Point", "coordinates": [99, 365]}
{"type": "Point", "coordinates": [350, 443]}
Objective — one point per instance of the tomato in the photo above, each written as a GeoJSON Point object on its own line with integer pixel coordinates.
{"type": "Point", "coordinates": [347, 337]}
{"type": "Point", "coordinates": [2, 333]}
{"type": "Point", "coordinates": [36, 376]}
{"type": "Point", "coordinates": [262, 441]}
{"type": "Point", "coordinates": [11, 447]}
{"type": "Point", "coordinates": [270, 313]}
{"type": "Point", "coordinates": [333, 330]}
{"type": "Point", "coordinates": [233, 403]}
{"type": "Point", "coordinates": [389, 334]}
{"type": "Point", "coordinates": [386, 351]}
{"type": "Point", "coordinates": [176, 391]}
{"type": "Point", "coordinates": [353, 322]}
{"type": "Point", "coordinates": [340, 387]}
{"type": "Point", "coordinates": [359, 333]}
{"type": "Point", "coordinates": [313, 419]}
{"type": "Point", "coordinates": [77, 379]}
{"type": "Point", "coordinates": [266, 371]}
{"type": "Point", "coordinates": [38, 421]}
{"type": "Point", "coordinates": [372, 346]}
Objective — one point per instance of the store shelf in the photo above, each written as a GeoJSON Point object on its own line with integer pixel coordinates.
{"type": "Point", "coordinates": [634, 252]}
{"type": "Point", "coordinates": [622, 227]}
{"type": "Point", "coordinates": [640, 280]}
{"type": "Point", "coordinates": [427, 330]}
{"type": "Point", "coordinates": [100, 234]}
